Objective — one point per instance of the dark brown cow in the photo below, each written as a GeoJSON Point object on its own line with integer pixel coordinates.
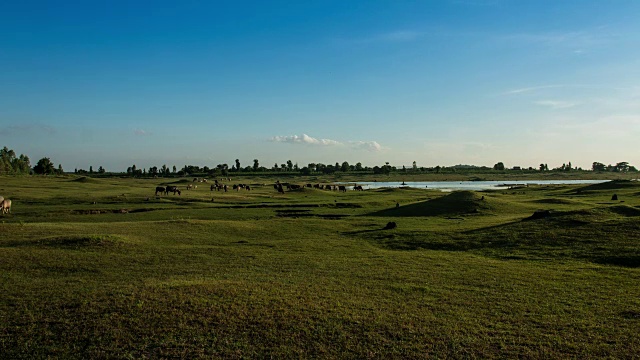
{"type": "Point", "coordinates": [173, 189]}
{"type": "Point", "coordinates": [342, 188]}
{"type": "Point", "coordinates": [160, 189]}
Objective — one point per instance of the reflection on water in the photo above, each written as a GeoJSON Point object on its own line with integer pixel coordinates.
{"type": "Point", "coordinates": [472, 185]}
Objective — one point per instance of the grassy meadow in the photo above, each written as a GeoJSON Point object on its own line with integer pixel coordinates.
{"type": "Point", "coordinates": [102, 268]}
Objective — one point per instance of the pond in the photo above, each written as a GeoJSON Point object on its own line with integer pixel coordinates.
{"type": "Point", "coordinates": [472, 185]}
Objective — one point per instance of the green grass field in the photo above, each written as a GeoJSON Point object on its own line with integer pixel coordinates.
{"type": "Point", "coordinates": [102, 268]}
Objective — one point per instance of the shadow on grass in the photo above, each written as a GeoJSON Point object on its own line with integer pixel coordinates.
{"type": "Point", "coordinates": [458, 202]}
{"type": "Point", "coordinates": [629, 261]}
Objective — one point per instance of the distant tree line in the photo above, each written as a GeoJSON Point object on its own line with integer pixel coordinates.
{"type": "Point", "coordinates": [12, 164]}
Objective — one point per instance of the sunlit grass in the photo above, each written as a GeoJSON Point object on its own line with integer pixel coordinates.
{"type": "Point", "coordinates": [311, 273]}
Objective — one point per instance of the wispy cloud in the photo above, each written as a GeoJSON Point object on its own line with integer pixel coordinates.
{"type": "Point", "coordinates": [398, 36]}
{"type": "Point", "coordinates": [304, 139]}
{"type": "Point", "coordinates": [140, 132]}
{"type": "Point", "coordinates": [390, 37]}
{"type": "Point", "coordinates": [575, 40]}
{"type": "Point", "coordinates": [556, 104]}
{"type": "Point", "coordinates": [27, 129]}
{"type": "Point", "coordinates": [533, 88]}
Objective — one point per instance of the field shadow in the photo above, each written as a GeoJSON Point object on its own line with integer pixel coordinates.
{"type": "Point", "coordinates": [73, 242]}
{"type": "Point", "coordinates": [630, 261]}
{"type": "Point", "coordinates": [455, 203]}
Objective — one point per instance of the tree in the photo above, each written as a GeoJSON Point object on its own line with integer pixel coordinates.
{"type": "Point", "coordinates": [60, 171]}
{"type": "Point", "coordinates": [101, 170]}
{"type": "Point", "coordinates": [44, 167]}
{"type": "Point", "coordinates": [10, 164]}
{"type": "Point", "coordinates": [541, 167]}
{"type": "Point", "coordinates": [499, 166]}
{"type": "Point", "coordinates": [256, 165]}
{"type": "Point", "coordinates": [344, 167]}
{"type": "Point", "coordinates": [174, 169]}
{"type": "Point", "coordinates": [415, 167]}
{"type": "Point", "coordinates": [90, 169]}
{"type": "Point", "coordinates": [289, 165]}
{"type": "Point", "coordinates": [598, 166]}
{"type": "Point", "coordinates": [359, 166]}
{"type": "Point", "coordinates": [237, 165]}
{"type": "Point", "coordinates": [622, 166]}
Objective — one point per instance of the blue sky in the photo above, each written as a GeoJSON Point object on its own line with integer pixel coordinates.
{"type": "Point", "coordinates": [116, 83]}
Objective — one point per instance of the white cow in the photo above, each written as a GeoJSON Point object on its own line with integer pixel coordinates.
{"type": "Point", "coordinates": [5, 205]}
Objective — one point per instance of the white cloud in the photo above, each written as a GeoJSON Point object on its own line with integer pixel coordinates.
{"type": "Point", "coordinates": [308, 140]}
{"type": "Point", "coordinates": [556, 104]}
{"type": "Point", "coordinates": [304, 139]}
{"type": "Point", "coordinates": [366, 145]}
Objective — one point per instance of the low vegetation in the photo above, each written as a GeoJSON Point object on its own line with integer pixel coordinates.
{"type": "Point", "coordinates": [102, 268]}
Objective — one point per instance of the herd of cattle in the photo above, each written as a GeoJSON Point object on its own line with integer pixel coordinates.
{"type": "Point", "coordinates": [218, 186]}
{"type": "Point", "coordinates": [5, 205]}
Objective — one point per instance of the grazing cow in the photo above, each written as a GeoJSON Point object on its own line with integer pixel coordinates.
{"type": "Point", "coordinates": [309, 185]}
{"type": "Point", "coordinates": [342, 188]}
{"type": "Point", "coordinates": [248, 188]}
{"type": "Point", "coordinates": [189, 187]}
{"type": "Point", "coordinates": [358, 187]}
{"type": "Point", "coordinates": [317, 186]}
{"type": "Point", "coordinates": [195, 179]}
{"type": "Point", "coordinates": [293, 187]}
{"type": "Point", "coordinates": [160, 189]}
{"type": "Point", "coordinates": [173, 189]}
{"type": "Point", "coordinates": [5, 206]}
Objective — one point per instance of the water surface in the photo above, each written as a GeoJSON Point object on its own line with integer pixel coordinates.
{"type": "Point", "coordinates": [472, 185]}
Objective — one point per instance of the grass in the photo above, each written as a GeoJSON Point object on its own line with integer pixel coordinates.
{"type": "Point", "coordinates": [101, 268]}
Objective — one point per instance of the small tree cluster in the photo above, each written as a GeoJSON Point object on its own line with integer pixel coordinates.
{"type": "Point", "coordinates": [12, 164]}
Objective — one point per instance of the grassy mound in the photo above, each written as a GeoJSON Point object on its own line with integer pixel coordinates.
{"type": "Point", "coordinates": [609, 185]}
{"type": "Point", "coordinates": [553, 201]}
{"type": "Point", "coordinates": [600, 236]}
{"type": "Point", "coordinates": [459, 202]}
{"type": "Point", "coordinates": [625, 210]}
{"type": "Point", "coordinates": [83, 179]}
